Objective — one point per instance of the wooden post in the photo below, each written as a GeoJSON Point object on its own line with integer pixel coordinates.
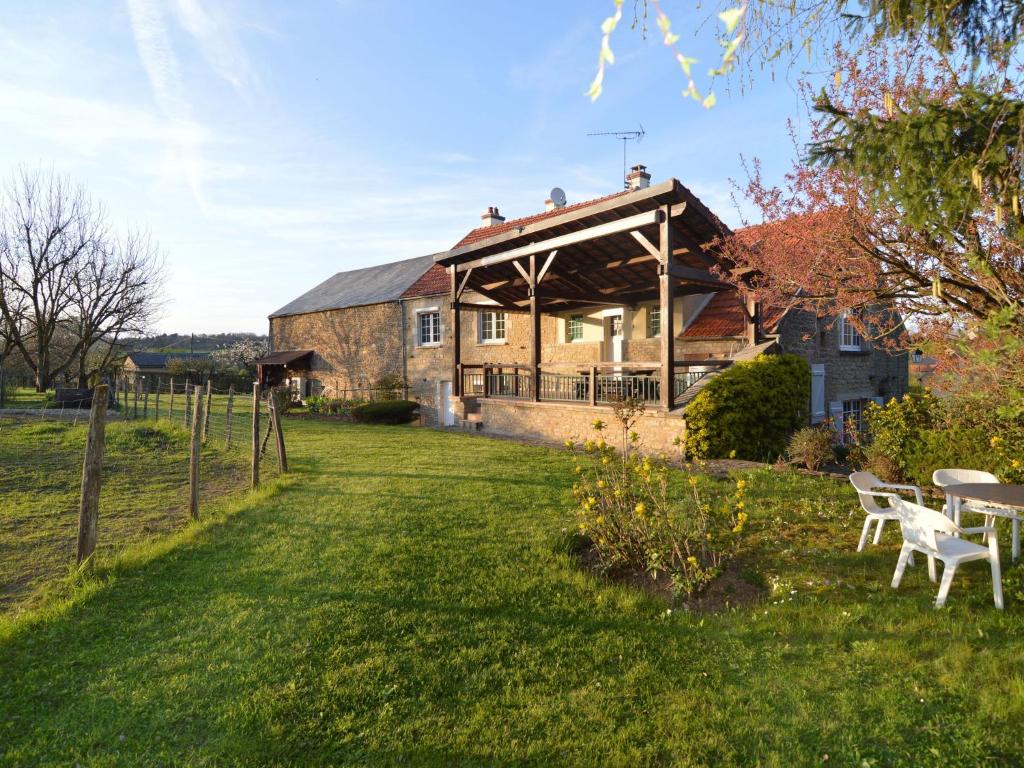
{"type": "Point", "coordinates": [193, 457]}
{"type": "Point", "coordinates": [188, 402]}
{"type": "Point", "coordinates": [156, 407]}
{"type": "Point", "coordinates": [593, 385]}
{"type": "Point", "coordinates": [275, 418]}
{"type": "Point", "coordinates": [170, 403]}
{"type": "Point", "coordinates": [534, 332]}
{"type": "Point", "coordinates": [145, 404]}
{"type": "Point", "coordinates": [135, 392]}
{"type": "Point", "coordinates": [227, 421]}
{"type": "Point", "coordinates": [456, 334]}
{"type": "Point", "coordinates": [255, 435]}
{"type": "Point", "coordinates": [206, 413]}
{"type": "Point", "coordinates": [668, 331]}
{"type": "Point", "coordinates": [486, 372]}
{"type": "Point", "coordinates": [92, 470]}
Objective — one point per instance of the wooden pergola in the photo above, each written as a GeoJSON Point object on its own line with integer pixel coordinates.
{"type": "Point", "coordinates": [637, 246]}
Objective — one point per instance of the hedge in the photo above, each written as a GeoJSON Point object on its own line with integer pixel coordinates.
{"type": "Point", "coordinates": [750, 409]}
{"type": "Point", "coordinates": [386, 412]}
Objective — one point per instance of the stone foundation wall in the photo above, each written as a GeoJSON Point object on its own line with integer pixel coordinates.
{"type": "Point", "coordinates": [557, 422]}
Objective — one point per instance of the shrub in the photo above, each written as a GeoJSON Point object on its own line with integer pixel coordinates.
{"type": "Point", "coordinates": [316, 404]}
{"type": "Point", "coordinates": [389, 386]}
{"type": "Point", "coordinates": [895, 429]}
{"type": "Point", "coordinates": [812, 446]}
{"type": "Point", "coordinates": [386, 412]}
{"type": "Point", "coordinates": [750, 409]}
{"type": "Point", "coordinates": [625, 508]}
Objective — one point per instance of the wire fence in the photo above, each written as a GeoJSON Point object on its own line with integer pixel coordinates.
{"type": "Point", "coordinates": [81, 482]}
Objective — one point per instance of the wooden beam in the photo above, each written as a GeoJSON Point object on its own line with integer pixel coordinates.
{"type": "Point", "coordinates": [456, 335]}
{"type": "Point", "coordinates": [462, 285]}
{"type": "Point", "coordinates": [547, 265]}
{"type": "Point", "coordinates": [534, 330]}
{"type": "Point", "coordinates": [492, 307]}
{"type": "Point", "coordinates": [523, 272]}
{"type": "Point", "coordinates": [647, 244]}
{"type": "Point", "coordinates": [627, 224]}
{"type": "Point", "coordinates": [694, 275]}
{"type": "Point", "coordinates": [668, 332]}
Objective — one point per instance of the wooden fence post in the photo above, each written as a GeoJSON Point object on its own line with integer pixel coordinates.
{"type": "Point", "coordinates": [206, 413]}
{"type": "Point", "coordinates": [170, 402]}
{"type": "Point", "coordinates": [92, 470]}
{"type": "Point", "coordinates": [255, 435]}
{"type": "Point", "coordinates": [275, 418]}
{"type": "Point", "coordinates": [227, 419]}
{"type": "Point", "coordinates": [156, 407]}
{"type": "Point", "coordinates": [188, 402]}
{"type": "Point", "coordinates": [193, 456]}
{"type": "Point", "coordinates": [135, 391]}
{"type": "Point", "coordinates": [145, 404]}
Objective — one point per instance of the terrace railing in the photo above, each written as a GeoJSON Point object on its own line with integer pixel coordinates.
{"type": "Point", "coordinates": [600, 385]}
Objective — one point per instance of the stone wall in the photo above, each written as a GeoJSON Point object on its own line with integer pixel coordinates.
{"type": "Point", "coordinates": [427, 366]}
{"type": "Point", "coordinates": [557, 422]}
{"type": "Point", "coordinates": [352, 347]}
{"type": "Point", "coordinates": [873, 372]}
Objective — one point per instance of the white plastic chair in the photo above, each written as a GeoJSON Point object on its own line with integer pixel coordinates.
{"type": "Point", "coordinates": [867, 485]}
{"type": "Point", "coordinates": [936, 536]}
{"type": "Point", "coordinates": [946, 477]}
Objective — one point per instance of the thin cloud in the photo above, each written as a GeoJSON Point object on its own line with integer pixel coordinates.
{"type": "Point", "coordinates": [217, 42]}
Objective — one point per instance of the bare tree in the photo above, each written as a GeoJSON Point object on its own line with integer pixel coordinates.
{"type": "Point", "coordinates": [67, 281]}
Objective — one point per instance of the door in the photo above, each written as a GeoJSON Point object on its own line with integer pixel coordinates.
{"type": "Point", "coordinates": [447, 405]}
{"type": "Point", "coordinates": [613, 337]}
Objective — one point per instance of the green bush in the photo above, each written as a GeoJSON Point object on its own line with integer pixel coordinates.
{"type": "Point", "coordinates": [750, 409]}
{"type": "Point", "coordinates": [386, 412]}
{"type": "Point", "coordinates": [896, 429]}
{"type": "Point", "coordinates": [812, 446]}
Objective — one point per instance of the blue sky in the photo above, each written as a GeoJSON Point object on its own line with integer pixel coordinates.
{"type": "Point", "coordinates": [269, 145]}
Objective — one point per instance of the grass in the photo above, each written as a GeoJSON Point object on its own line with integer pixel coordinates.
{"type": "Point", "coordinates": [406, 599]}
{"type": "Point", "coordinates": [25, 397]}
{"type": "Point", "coordinates": [145, 492]}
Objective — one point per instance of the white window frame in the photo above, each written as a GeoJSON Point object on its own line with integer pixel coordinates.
{"type": "Point", "coordinates": [853, 410]}
{"type": "Point", "coordinates": [650, 322]}
{"type": "Point", "coordinates": [420, 313]}
{"type": "Point", "coordinates": [568, 328]}
{"type": "Point", "coordinates": [494, 338]}
{"type": "Point", "coordinates": [850, 339]}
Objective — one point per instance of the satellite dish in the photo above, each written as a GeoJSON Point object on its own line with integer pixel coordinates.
{"type": "Point", "coordinates": [558, 196]}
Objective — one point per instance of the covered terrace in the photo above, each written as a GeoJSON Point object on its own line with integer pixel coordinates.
{"type": "Point", "coordinates": [643, 245]}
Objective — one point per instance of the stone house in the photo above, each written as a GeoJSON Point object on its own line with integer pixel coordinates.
{"type": "Point", "coordinates": [533, 326]}
{"type": "Point", "coordinates": [145, 369]}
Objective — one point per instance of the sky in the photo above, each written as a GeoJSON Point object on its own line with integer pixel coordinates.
{"type": "Point", "coordinates": [268, 145]}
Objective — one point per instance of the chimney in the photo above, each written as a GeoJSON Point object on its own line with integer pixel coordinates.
{"type": "Point", "coordinates": [492, 217]}
{"type": "Point", "coordinates": [550, 205]}
{"type": "Point", "coordinates": [638, 178]}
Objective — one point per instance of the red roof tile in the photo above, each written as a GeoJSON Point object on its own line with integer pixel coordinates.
{"type": "Point", "coordinates": [482, 233]}
{"type": "Point", "coordinates": [432, 282]}
{"type": "Point", "coordinates": [722, 316]}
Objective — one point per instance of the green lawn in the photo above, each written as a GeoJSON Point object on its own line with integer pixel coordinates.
{"type": "Point", "coordinates": [404, 598]}
{"type": "Point", "coordinates": [25, 397]}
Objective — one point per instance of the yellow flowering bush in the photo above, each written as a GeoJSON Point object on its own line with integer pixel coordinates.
{"type": "Point", "coordinates": [638, 516]}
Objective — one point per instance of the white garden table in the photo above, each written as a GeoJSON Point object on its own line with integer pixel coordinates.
{"type": "Point", "coordinates": [1000, 499]}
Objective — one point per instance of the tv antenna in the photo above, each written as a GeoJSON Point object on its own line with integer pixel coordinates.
{"type": "Point", "coordinates": [624, 137]}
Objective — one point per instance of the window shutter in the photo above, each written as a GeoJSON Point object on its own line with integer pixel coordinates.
{"type": "Point", "coordinates": [835, 411]}
{"type": "Point", "coordinates": [879, 400]}
{"type": "Point", "coordinates": [817, 394]}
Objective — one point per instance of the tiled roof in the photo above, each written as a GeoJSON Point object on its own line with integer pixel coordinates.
{"type": "Point", "coordinates": [723, 316]}
{"type": "Point", "coordinates": [432, 282]}
{"type": "Point", "coordinates": [482, 233]}
{"type": "Point", "coordinates": [359, 287]}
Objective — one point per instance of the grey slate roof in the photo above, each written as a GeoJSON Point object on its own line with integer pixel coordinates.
{"type": "Point", "coordinates": [160, 359]}
{"type": "Point", "coordinates": [372, 285]}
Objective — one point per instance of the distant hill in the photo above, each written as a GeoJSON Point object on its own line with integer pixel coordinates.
{"type": "Point", "coordinates": [180, 342]}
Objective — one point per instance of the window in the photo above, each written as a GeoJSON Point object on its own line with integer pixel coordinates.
{"type": "Point", "coordinates": [850, 339]}
{"type": "Point", "coordinates": [492, 327]}
{"type": "Point", "coordinates": [853, 415]}
{"type": "Point", "coordinates": [654, 322]}
{"type": "Point", "coordinates": [428, 328]}
{"type": "Point", "coordinates": [574, 328]}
